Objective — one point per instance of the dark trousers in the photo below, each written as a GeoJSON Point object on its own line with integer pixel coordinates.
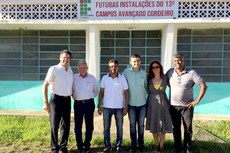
{"type": "Point", "coordinates": [184, 114]}
{"type": "Point", "coordinates": [84, 109]}
{"type": "Point", "coordinates": [59, 116]}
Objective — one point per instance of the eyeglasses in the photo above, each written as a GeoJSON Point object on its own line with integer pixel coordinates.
{"type": "Point", "coordinates": [155, 67]}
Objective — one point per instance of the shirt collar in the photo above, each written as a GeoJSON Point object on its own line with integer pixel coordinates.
{"type": "Point", "coordinates": [131, 69]}
{"type": "Point", "coordinates": [81, 76]}
{"type": "Point", "coordinates": [60, 66]}
{"type": "Point", "coordinates": [183, 72]}
{"type": "Point", "coordinates": [110, 75]}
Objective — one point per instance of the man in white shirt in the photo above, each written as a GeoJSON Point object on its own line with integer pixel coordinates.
{"type": "Point", "coordinates": [114, 92]}
{"type": "Point", "coordinates": [60, 79]}
{"type": "Point", "coordinates": [85, 89]}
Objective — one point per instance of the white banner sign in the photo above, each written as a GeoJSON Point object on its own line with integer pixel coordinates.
{"type": "Point", "coordinates": [127, 9]}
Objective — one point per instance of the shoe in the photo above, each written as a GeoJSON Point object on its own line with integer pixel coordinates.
{"type": "Point", "coordinates": [187, 151]}
{"type": "Point", "coordinates": [79, 151]}
{"type": "Point", "coordinates": [157, 148]}
{"type": "Point", "coordinates": [133, 150]}
{"type": "Point", "coordinates": [142, 148]}
{"type": "Point", "coordinates": [161, 150]}
{"type": "Point", "coordinates": [87, 150]}
{"type": "Point", "coordinates": [175, 150]}
{"type": "Point", "coordinates": [64, 150]}
{"type": "Point", "coordinates": [106, 150]}
{"type": "Point", "coordinates": [119, 150]}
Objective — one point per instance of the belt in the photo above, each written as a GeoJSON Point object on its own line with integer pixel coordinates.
{"type": "Point", "coordinates": [61, 96]}
{"type": "Point", "coordinates": [84, 100]}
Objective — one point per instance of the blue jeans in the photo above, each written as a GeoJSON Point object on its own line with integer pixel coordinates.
{"type": "Point", "coordinates": [107, 115]}
{"type": "Point", "coordinates": [137, 117]}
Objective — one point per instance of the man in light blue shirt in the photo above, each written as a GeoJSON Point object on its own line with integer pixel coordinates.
{"type": "Point", "coordinates": [136, 78]}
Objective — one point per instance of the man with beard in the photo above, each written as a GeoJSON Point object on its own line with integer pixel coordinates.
{"type": "Point", "coordinates": [114, 92]}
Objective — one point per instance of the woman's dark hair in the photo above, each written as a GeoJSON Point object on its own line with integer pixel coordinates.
{"type": "Point", "coordinates": [150, 74]}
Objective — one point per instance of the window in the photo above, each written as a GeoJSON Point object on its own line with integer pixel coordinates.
{"type": "Point", "coordinates": [121, 45]}
{"type": "Point", "coordinates": [27, 55]}
{"type": "Point", "coordinates": [207, 51]}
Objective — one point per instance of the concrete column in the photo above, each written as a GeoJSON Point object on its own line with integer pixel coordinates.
{"type": "Point", "coordinates": [93, 50]}
{"type": "Point", "coordinates": [169, 45]}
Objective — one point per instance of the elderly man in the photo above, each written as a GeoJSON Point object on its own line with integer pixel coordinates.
{"type": "Point", "coordinates": [85, 89]}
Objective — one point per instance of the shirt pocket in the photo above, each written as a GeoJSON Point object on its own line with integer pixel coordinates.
{"type": "Point", "coordinates": [89, 86]}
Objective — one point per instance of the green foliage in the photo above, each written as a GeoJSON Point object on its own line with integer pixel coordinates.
{"type": "Point", "coordinates": [32, 134]}
{"type": "Point", "coordinates": [23, 129]}
{"type": "Point", "coordinates": [220, 129]}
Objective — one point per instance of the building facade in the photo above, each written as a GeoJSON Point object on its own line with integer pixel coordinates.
{"type": "Point", "coordinates": [32, 33]}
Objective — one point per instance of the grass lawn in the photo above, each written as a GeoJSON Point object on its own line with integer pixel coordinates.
{"type": "Point", "coordinates": [32, 134]}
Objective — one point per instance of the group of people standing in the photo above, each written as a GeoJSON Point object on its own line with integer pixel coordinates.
{"type": "Point", "coordinates": [133, 92]}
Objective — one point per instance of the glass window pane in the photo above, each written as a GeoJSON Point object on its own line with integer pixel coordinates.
{"type": "Point", "coordinates": [207, 39]}
{"type": "Point", "coordinates": [77, 48]}
{"type": "Point", "coordinates": [122, 34]}
{"type": "Point", "coordinates": [140, 51]}
{"type": "Point", "coordinates": [10, 32]}
{"type": "Point", "coordinates": [78, 33]}
{"type": "Point", "coordinates": [6, 62]}
{"type": "Point", "coordinates": [138, 34]}
{"type": "Point", "coordinates": [12, 40]}
{"type": "Point", "coordinates": [107, 34]}
{"type": "Point", "coordinates": [154, 34]}
{"type": "Point", "coordinates": [184, 39]}
{"type": "Point", "coordinates": [10, 69]}
{"type": "Point", "coordinates": [154, 42]}
{"type": "Point", "coordinates": [107, 51]}
{"type": "Point", "coordinates": [107, 43]}
{"type": "Point", "coordinates": [122, 43]}
{"type": "Point", "coordinates": [30, 55]}
{"type": "Point", "coordinates": [56, 47]}
{"type": "Point", "coordinates": [138, 42]}
{"type": "Point", "coordinates": [30, 33]}
{"type": "Point", "coordinates": [122, 51]}
{"type": "Point", "coordinates": [207, 47]}
{"type": "Point", "coordinates": [207, 55]}
{"type": "Point", "coordinates": [53, 33]}
{"type": "Point", "coordinates": [10, 47]}
{"type": "Point", "coordinates": [54, 40]}
{"type": "Point", "coordinates": [77, 40]}
{"type": "Point", "coordinates": [30, 40]}
{"type": "Point", "coordinates": [207, 32]}
{"type": "Point", "coordinates": [10, 54]}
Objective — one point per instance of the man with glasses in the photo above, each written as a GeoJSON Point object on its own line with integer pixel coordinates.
{"type": "Point", "coordinates": [181, 82]}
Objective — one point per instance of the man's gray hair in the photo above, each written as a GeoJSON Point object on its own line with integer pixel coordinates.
{"type": "Point", "coordinates": [82, 62]}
